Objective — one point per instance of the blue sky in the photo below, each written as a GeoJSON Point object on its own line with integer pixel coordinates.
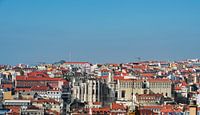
{"type": "Point", "coordinates": [33, 31]}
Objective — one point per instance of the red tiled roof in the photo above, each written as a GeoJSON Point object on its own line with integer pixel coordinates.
{"type": "Point", "coordinates": [169, 108]}
{"type": "Point", "coordinates": [177, 88]}
{"type": "Point", "coordinates": [154, 95]}
{"type": "Point", "coordinates": [105, 70]}
{"type": "Point", "coordinates": [45, 79]}
{"type": "Point", "coordinates": [39, 88]}
{"type": "Point", "coordinates": [113, 64]}
{"type": "Point", "coordinates": [152, 107]}
{"type": "Point", "coordinates": [38, 73]}
{"type": "Point", "coordinates": [118, 73]}
{"type": "Point", "coordinates": [139, 67]}
{"type": "Point", "coordinates": [7, 86]}
{"type": "Point", "coordinates": [124, 74]}
{"type": "Point", "coordinates": [116, 106]}
{"type": "Point", "coordinates": [20, 77]}
{"type": "Point", "coordinates": [22, 89]}
{"type": "Point", "coordinates": [147, 74]}
{"type": "Point", "coordinates": [159, 80]}
{"type": "Point", "coordinates": [37, 78]}
{"type": "Point", "coordinates": [119, 78]}
{"type": "Point", "coordinates": [97, 103]}
{"type": "Point", "coordinates": [103, 77]}
{"type": "Point", "coordinates": [14, 109]}
{"type": "Point", "coordinates": [184, 84]}
{"type": "Point", "coordinates": [105, 109]}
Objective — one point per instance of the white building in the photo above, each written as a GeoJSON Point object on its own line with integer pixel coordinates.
{"type": "Point", "coordinates": [88, 91]}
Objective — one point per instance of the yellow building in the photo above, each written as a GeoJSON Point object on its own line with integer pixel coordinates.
{"type": "Point", "coordinates": [7, 95]}
{"type": "Point", "coordinates": [125, 87]}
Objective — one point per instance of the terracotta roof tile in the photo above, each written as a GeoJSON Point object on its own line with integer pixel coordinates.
{"type": "Point", "coordinates": [39, 88]}
{"type": "Point", "coordinates": [116, 106]}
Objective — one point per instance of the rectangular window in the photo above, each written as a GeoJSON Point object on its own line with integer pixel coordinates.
{"type": "Point", "coordinates": [116, 94]}
{"type": "Point", "coordinates": [123, 94]}
{"type": "Point", "coordinates": [96, 91]}
{"type": "Point", "coordinates": [92, 91]}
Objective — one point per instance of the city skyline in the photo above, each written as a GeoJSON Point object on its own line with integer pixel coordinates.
{"type": "Point", "coordinates": [98, 31]}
